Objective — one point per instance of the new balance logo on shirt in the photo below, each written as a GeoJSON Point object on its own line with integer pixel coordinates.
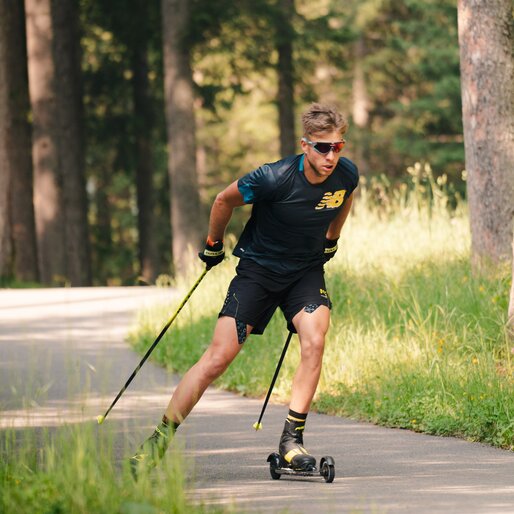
{"type": "Point", "coordinates": [331, 200]}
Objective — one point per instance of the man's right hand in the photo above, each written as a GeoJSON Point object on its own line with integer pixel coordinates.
{"type": "Point", "coordinates": [213, 253]}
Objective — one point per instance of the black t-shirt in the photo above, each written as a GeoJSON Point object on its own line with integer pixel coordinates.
{"type": "Point", "coordinates": [290, 216]}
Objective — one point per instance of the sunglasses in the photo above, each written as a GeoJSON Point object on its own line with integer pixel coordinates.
{"type": "Point", "coordinates": [325, 148]}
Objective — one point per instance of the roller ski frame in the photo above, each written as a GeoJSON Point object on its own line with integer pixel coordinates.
{"type": "Point", "coordinates": [278, 467]}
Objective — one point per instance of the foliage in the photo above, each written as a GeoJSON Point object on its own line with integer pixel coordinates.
{"type": "Point", "coordinates": [411, 67]}
{"type": "Point", "coordinates": [110, 32]}
{"type": "Point", "coordinates": [411, 73]}
{"type": "Point", "coordinates": [74, 473]}
{"type": "Point", "coordinates": [415, 341]}
{"type": "Point", "coordinates": [9, 283]}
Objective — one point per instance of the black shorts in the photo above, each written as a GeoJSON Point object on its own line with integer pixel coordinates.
{"type": "Point", "coordinates": [255, 293]}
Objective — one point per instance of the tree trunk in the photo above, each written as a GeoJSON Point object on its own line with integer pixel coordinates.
{"type": "Point", "coordinates": [148, 255]}
{"type": "Point", "coordinates": [180, 123]}
{"type": "Point", "coordinates": [67, 57]}
{"type": "Point", "coordinates": [487, 82]}
{"type": "Point", "coordinates": [510, 313]}
{"type": "Point", "coordinates": [5, 168]}
{"type": "Point", "coordinates": [47, 179]}
{"type": "Point", "coordinates": [284, 38]}
{"type": "Point", "coordinates": [16, 154]}
{"type": "Point", "coordinates": [360, 110]}
{"type": "Point", "coordinates": [102, 230]}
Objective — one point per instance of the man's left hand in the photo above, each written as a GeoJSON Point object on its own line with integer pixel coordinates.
{"type": "Point", "coordinates": [330, 249]}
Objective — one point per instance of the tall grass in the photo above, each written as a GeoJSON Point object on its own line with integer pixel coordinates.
{"type": "Point", "coordinates": [416, 340]}
{"type": "Point", "coordinates": [75, 470]}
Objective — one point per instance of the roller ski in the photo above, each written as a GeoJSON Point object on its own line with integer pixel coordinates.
{"type": "Point", "coordinates": [293, 459]}
{"type": "Point", "coordinates": [278, 467]}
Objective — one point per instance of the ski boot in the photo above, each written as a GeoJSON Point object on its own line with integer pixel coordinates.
{"type": "Point", "coordinates": [291, 448]}
{"type": "Point", "coordinates": [293, 459]}
{"type": "Point", "coordinates": [153, 449]}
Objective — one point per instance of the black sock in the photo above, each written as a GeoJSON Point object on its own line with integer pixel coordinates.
{"type": "Point", "coordinates": [166, 426]}
{"type": "Point", "coordinates": [296, 416]}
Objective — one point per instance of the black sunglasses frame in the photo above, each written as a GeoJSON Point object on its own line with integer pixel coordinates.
{"type": "Point", "coordinates": [331, 146]}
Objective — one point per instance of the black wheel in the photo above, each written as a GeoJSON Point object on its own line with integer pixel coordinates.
{"type": "Point", "coordinates": [274, 464]}
{"type": "Point", "coordinates": [327, 469]}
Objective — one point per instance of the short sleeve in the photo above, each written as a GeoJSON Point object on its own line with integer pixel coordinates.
{"type": "Point", "coordinates": [355, 177]}
{"type": "Point", "coordinates": [352, 174]}
{"type": "Point", "coordinates": [257, 185]}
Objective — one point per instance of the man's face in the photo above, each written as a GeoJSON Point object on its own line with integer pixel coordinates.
{"type": "Point", "coordinates": [321, 165]}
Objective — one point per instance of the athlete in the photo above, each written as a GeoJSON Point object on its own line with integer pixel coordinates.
{"type": "Point", "coordinates": [300, 205]}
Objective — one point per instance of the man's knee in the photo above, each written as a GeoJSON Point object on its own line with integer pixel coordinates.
{"type": "Point", "coordinates": [312, 347]}
{"type": "Point", "coordinates": [215, 364]}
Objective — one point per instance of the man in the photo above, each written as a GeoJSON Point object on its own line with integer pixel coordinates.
{"type": "Point", "coordinates": [300, 204]}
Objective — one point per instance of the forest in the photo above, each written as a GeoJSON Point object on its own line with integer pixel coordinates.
{"type": "Point", "coordinates": [128, 117]}
{"type": "Point", "coordinates": [120, 121]}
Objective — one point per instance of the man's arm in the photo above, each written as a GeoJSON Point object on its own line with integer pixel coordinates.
{"type": "Point", "coordinates": [222, 209]}
{"type": "Point", "coordinates": [334, 229]}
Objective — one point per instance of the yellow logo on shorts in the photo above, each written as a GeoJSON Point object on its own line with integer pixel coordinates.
{"type": "Point", "coordinates": [331, 200]}
{"type": "Point", "coordinates": [323, 293]}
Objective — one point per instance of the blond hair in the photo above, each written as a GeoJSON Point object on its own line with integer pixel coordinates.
{"type": "Point", "coordinates": [323, 118]}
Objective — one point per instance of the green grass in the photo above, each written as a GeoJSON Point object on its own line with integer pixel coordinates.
{"type": "Point", "coordinates": [7, 283]}
{"type": "Point", "coordinates": [416, 341]}
{"type": "Point", "coordinates": [74, 469]}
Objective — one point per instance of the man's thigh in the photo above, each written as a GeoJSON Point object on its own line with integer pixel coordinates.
{"type": "Point", "coordinates": [225, 343]}
{"type": "Point", "coordinates": [312, 325]}
{"type": "Point", "coordinates": [250, 303]}
{"type": "Point", "coordinates": [308, 295]}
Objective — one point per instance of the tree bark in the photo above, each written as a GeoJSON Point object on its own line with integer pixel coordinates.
{"type": "Point", "coordinates": [16, 156]}
{"type": "Point", "coordinates": [67, 58]}
{"type": "Point", "coordinates": [487, 82]}
{"type": "Point", "coordinates": [148, 254]}
{"type": "Point", "coordinates": [180, 124]}
{"type": "Point", "coordinates": [102, 229]}
{"type": "Point", "coordinates": [360, 108]}
{"type": "Point", "coordinates": [285, 71]}
{"type": "Point", "coordinates": [5, 168]}
{"type": "Point", "coordinates": [510, 312]}
{"type": "Point", "coordinates": [47, 180]}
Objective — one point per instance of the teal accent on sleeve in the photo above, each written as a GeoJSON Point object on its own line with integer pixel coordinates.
{"type": "Point", "coordinates": [301, 163]}
{"type": "Point", "coordinates": [247, 192]}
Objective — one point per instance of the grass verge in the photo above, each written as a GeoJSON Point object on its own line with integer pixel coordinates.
{"type": "Point", "coordinates": [75, 471]}
{"type": "Point", "coordinates": [416, 341]}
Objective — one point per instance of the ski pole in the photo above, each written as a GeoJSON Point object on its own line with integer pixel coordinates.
{"type": "Point", "coordinates": [258, 425]}
{"type": "Point", "coordinates": [101, 419]}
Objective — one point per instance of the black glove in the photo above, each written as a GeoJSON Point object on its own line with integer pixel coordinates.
{"type": "Point", "coordinates": [213, 253]}
{"type": "Point", "coordinates": [330, 249]}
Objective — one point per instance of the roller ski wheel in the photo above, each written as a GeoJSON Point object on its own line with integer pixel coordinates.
{"type": "Point", "coordinates": [327, 469]}
{"type": "Point", "coordinates": [274, 464]}
{"type": "Point", "coordinates": [278, 467]}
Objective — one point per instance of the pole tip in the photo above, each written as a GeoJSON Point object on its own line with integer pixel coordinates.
{"type": "Point", "coordinates": [257, 426]}
{"type": "Point", "coordinates": [100, 419]}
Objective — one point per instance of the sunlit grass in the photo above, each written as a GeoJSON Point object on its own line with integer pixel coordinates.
{"type": "Point", "coordinates": [73, 469]}
{"type": "Point", "coordinates": [416, 341]}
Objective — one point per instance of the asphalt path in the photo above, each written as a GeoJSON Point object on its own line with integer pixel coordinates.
{"type": "Point", "coordinates": [63, 358]}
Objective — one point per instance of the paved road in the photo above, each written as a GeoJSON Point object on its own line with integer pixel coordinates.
{"type": "Point", "coordinates": [63, 358]}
